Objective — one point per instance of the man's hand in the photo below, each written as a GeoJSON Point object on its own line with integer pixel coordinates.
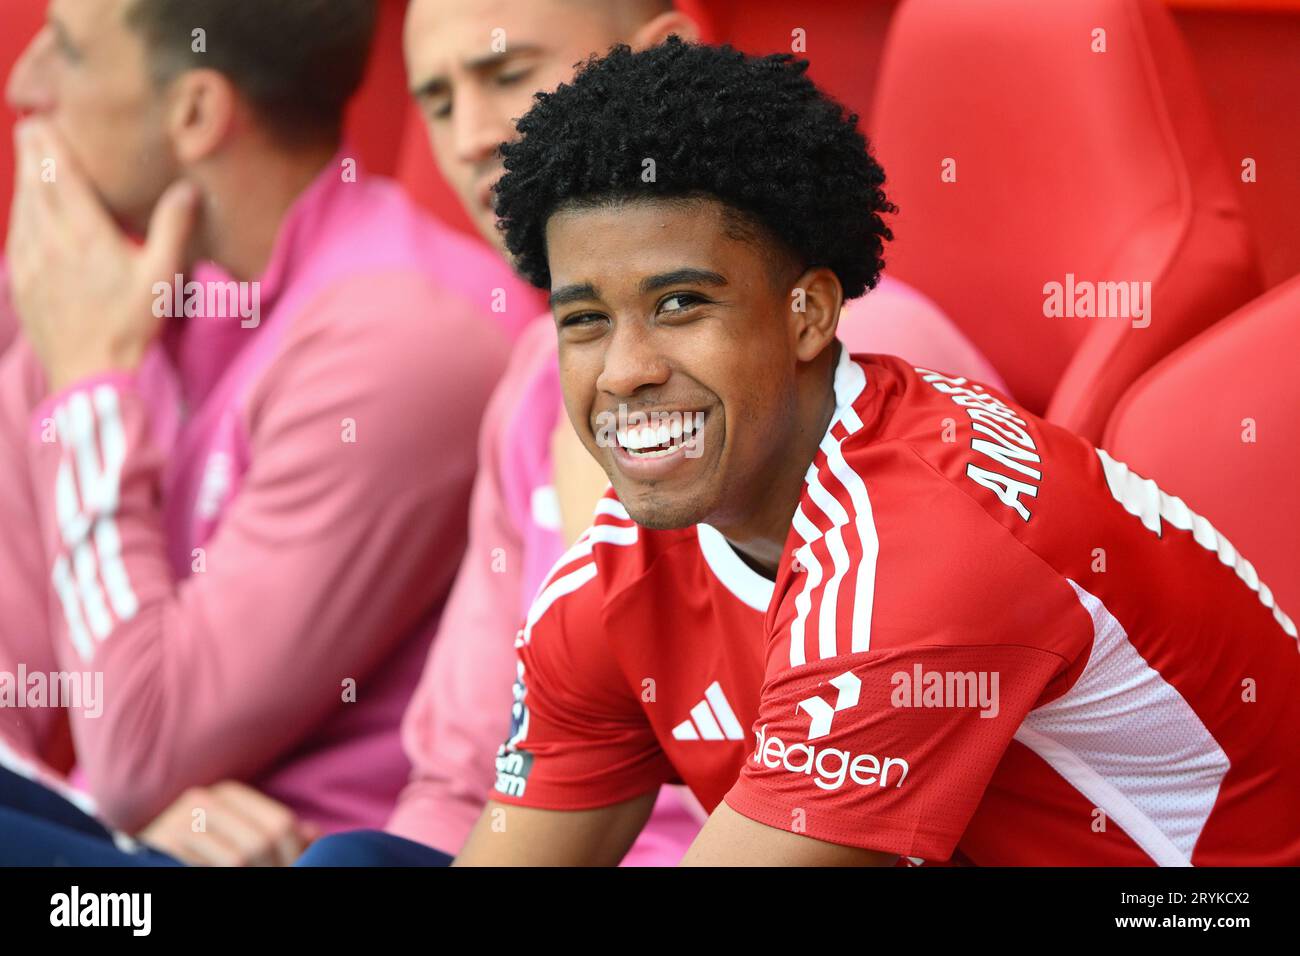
{"type": "Point", "coordinates": [83, 291]}
{"type": "Point", "coordinates": [237, 826]}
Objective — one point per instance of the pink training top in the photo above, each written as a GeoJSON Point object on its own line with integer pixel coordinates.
{"type": "Point", "coordinates": [453, 727]}
{"type": "Point", "coordinates": [251, 538]}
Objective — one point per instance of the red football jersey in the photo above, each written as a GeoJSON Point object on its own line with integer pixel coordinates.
{"type": "Point", "coordinates": [987, 641]}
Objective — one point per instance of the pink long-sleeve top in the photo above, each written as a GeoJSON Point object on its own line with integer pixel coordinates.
{"type": "Point", "coordinates": [252, 537]}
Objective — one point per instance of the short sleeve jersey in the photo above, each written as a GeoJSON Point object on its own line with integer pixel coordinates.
{"type": "Point", "coordinates": [987, 642]}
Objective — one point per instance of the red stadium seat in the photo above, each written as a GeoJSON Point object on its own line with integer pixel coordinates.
{"type": "Point", "coordinates": [1097, 165]}
{"type": "Point", "coordinates": [1189, 424]}
{"type": "Point", "coordinates": [1246, 56]}
{"type": "Point", "coordinates": [376, 118]}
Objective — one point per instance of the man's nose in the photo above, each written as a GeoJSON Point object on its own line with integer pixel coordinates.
{"type": "Point", "coordinates": [633, 361]}
{"type": "Point", "coordinates": [28, 89]}
{"type": "Point", "coordinates": [477, 129]}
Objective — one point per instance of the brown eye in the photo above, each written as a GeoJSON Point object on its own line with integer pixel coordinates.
{"type": "Point", "coordinates": [679, 302]}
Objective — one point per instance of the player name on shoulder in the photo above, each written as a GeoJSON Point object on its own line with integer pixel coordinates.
{"type": "Point", "coordinates": [1008, 446]}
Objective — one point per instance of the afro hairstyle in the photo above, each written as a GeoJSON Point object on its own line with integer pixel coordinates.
{"type": "Point", "coordinates": [754, 133]}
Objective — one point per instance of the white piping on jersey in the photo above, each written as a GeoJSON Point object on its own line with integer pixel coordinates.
{"type": "Point", "coordinates": [732, 572]}
{"type": "Point", "coordinates": [839, 558]}
{"type": "Point", "coordinates": [1143, 498]}
{"type": "Point", "coordinates": [612, 507]}
{"type": "Point", "coordinates": [1127, 740]}
{"type": "Point", "coordinates": [553, 588]}
{"type": "Point", "coordinates": [609, 534]}
{"type": "Point", "coordinates": [596, 534]}
{"type": "Point", "coordinates": [94, 454]}
{"type": "Point", "coordinates": [812, 578]}
{"type": "Point", "coordinates": [864, 598]}
{"type": "Point", "coordinates": [599, 534]}
{"type": "Point", "coordinates": [850, 380]}
{"type": "Point", "coordinates": [566, 584]}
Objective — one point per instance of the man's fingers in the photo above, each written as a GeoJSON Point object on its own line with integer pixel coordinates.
{"type": "Point", "coordinates": [229, 824]}
{"type": "Point", "coordinates": [173, 833]}
{"type": "Point", "coordinates": [273, 819]}
{"type": "Point", "coordinates": [67, 188]}
{"type": "Point", "coordinates": [170, 228]}
{"type": "Point", "coordinates": [28, 195]}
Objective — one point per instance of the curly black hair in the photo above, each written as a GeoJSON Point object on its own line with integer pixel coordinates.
{"type": "Point", "coordinates": [752, 132]}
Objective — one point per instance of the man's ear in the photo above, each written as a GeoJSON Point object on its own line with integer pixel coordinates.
{"type": "Point", "coordinates": [814, 304]}
{"type": "Point", "coordinates": [202, 110]}
{"type": "Point", "coordinates": [656, 31]}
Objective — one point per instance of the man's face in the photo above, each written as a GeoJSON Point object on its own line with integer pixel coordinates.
{"type": "Point", "coordinates": [86, 73]}
{"type": "Point", "coordinates": [664, 317]}
{"type": "Point", "coordinates": [474, 66]}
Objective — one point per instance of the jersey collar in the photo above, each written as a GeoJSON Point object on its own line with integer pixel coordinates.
{"type": "Point", "coordinates": [731, 570]}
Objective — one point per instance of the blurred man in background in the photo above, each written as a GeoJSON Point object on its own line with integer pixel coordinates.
{"type": "Point", "coordinates": [475, 66]}
{"type": "Point", "coordinates": [236, 454]}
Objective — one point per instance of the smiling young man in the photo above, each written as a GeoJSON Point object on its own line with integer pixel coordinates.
{"type": "Point", "coordinates": [864, 611]}
{"type": "Point", "coordinates": [475, 66]}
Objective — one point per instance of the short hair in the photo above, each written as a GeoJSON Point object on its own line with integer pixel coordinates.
{"type": "Point", "coordinates": [297, 62]}
{"type": "Point", "coordinates": [751, 132]}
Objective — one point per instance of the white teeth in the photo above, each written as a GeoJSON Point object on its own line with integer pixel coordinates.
{"type": "Point", "coordinates": [635, 439]}
{"type": "Point", "coordinates": [645, 441]}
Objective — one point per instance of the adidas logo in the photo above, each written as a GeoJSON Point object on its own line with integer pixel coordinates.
{"type": "Point", "coordinates": [711, 719]}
